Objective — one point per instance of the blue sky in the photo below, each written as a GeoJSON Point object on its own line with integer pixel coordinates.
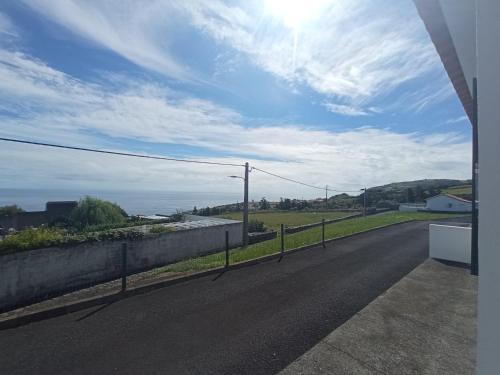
{"type": "Point", "coordinates": [344, 93]}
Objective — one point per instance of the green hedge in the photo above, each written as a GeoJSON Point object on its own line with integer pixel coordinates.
{"type": "Point", "coordinates": [36, 238]}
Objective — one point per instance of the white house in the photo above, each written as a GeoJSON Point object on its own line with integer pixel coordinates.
{"type": "Point", "coordinates": [448, 203]}
{"type": "Point", "coordinates": [465, 34]}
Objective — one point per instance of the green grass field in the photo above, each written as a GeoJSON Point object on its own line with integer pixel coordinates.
{"type": "Point", "coordinates": [459, 190]}
{"type": "Point", "coordinates": [304, 238]}
{"type": "Point", "coordinates": [273, 219]}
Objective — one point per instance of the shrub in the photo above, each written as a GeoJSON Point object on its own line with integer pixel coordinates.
{"type": "Point", "coordinates": [96, 212]}
{"type": "Point", "coordinates": [10, 210]}
{"type": "Point", "coordinates": [256, 226]}
{"type": "Point", "coordinates": [157, 229]}
{"type": "Point", "coordinates": [31, 238]}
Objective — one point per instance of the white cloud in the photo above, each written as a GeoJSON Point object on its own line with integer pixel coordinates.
{"type": "Point", "coordinates": [457, 119]}
{"type": "Point", "coordinates": [344, 109]}
{"type": "Point", "coordinates": [47, 105]}
{"type": "Point", "coordinates": [356, 50]}
{"type": "Point", "coordinates": [7, 27]}
{"type": "Point", "coordinates": [137, 30]}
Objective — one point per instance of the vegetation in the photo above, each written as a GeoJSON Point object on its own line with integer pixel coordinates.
{"type": "Point", "coordinates": [379, 197]}
{"type": "Point", "coordinates": [273, 219]}
{"type": "Point", "coordinates": [37, 238]}
{"type": "Point", "coordinates": [10, 210]}
{"type": "Point", "coordinates": [92, 212]}
{"type": "Point", "coordinates": [255, 225]}
{"type": "Point", "coordinates": [264, 204]}
{"type": "Point", "coordinates": [157, 229]}
{"type": "Point", "coordinates": [464, 191]}
{"type": "Point", "coordinates": [29, 239]}
{"type": "Point", "coordinates": [304, 238]}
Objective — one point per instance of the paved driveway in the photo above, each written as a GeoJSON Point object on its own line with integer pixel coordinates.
{"type": "Point", "coordinates": [254, 320]}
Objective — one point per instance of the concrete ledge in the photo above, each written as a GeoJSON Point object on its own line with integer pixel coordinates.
{"type": "Point", "coordinates": [65, 308]}
{"type": "Point", "coordinates": [424, 324]}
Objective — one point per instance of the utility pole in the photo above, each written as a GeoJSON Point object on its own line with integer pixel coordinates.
{"type": "Point", "coordinates": [474, 269]}
{"type": "Point", "coordinates": [245, 205]}
{"type": "Point", "coordinates": [364, 201]}
{"type": "Point", "coordinates": [245, 208]}
{"type": "Point", "coordinates": [326, 197]}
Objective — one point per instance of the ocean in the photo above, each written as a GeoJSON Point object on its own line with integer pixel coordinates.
{"type": "Point", "coordinates": [134, 202]}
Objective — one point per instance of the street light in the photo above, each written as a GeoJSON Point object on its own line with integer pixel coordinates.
{"type": "Point", "coordinates": [245, 205]}
{"type": "Point", "coordinates": [364, 201]}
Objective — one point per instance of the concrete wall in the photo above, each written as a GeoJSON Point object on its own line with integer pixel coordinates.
{"type": "Point", "coordinates": [450, 243]}
{"type": "Point", "coordinates": [488, 54]}
{"type": "Point", "coordinates": [37, 274]}
{"type": "Point", "coordinates": [410, 207]}
{"type": "Point", "coordinates": [443, 203]}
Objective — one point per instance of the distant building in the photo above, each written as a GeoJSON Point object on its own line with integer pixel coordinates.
{"type": "Point", "coordinates": [439, 203]}
{"type": "Point", "coordinates": [448, 203]}
{"type": "Point", "coordinates": [53, 211]}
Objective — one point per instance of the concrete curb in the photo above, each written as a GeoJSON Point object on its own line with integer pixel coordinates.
{"type": "Point", "coordinates": [113, 297]}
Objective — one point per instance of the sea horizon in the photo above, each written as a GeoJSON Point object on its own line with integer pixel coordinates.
{"type": "Point", "coordinates": [144, 202]}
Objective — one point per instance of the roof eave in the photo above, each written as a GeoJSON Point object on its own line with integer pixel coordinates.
{"type": "Point", "coordinates": [431, 13]}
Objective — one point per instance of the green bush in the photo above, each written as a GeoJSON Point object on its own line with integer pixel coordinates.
{"type": "Point", "coordinates": [31, 238]}
{"type": "Point", "coordinates": [157, 229]}
{"type": "Point", "coordinates": [10, 210]}
{"type": "Point", "coordinates": [256, 226]}
{"type": "Point", "coordinates": [95, 212]}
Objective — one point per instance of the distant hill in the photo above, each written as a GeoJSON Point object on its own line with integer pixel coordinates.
{"type": "Point", "coordinates": [390, 195]}
{"type": "Point", "coordinates": [462, 191]}
{"type": "Point", "coordinates": [384, 196]}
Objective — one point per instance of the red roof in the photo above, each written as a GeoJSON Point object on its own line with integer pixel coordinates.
{"type": "Point", "coordinates": [458, 198]}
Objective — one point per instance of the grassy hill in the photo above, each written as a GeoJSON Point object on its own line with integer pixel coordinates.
{"type": "Point", "coordinates": [463, 191]}
{"type": "Point", "coordinates": [380, 197]}
{"type": "Point", "coordinates": [273, 219]}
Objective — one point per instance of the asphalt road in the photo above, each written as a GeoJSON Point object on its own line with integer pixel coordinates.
{"type": "Point", "coordinates": [254, 320]}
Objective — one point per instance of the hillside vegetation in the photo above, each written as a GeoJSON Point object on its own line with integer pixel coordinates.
{"type": "Point", "coordinates": [273, 219]}
{"type": "Point", "coordinates": [308, 237]}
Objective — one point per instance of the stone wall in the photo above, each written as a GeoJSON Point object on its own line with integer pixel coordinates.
{"type": "Point", "coordinates": [30, 276]}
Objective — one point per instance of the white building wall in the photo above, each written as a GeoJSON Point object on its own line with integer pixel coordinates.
{"type": "Point", "coordinates": [450, 243]}
{"type": "Point", "coordinates": [488, 52]}
{"type": "Point", "coordinates": [444, 203]}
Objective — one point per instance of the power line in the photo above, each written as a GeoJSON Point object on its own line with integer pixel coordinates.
{"type": "Point", "coordinates": [117, 153]}
{"type": "Point", "coordinates": [166, 158]}
{"type": "Point", "coordinates": [302, 183]}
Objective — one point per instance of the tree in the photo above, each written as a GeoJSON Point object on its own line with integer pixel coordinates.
{"type": "Point", "coordinates": [10, 210]}
{"type": "Point", "coordinates": [419, 194]}
{"type": "Point", "coordinates": [264, 204]}
{"type": "Point", "coordinates": [92, 211]}
{"type": "Point", "coordinates": [410, 195]}
{"type": "Point", "coordinates": [195, 211]}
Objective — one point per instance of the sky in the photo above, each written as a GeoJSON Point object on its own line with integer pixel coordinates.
{"type": "Point", "coordinates": [344, 93]}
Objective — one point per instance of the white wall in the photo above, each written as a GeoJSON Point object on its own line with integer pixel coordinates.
{"type": "Point", "coordinates": [450, 243]}
{"type": "Point", "coordinates": [442, 203]}
{"type": "Point", "coordinates": [488, 52]}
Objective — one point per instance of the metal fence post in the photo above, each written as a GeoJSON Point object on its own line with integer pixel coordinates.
{"type": "Point", "coordinates": [124, 266]}
{"type": "Point", "coordinates": [227, 249]}
{"type": "Point", "coordinates": [282, 239]}
{"type": "Point", "coordinates": [323, 232]}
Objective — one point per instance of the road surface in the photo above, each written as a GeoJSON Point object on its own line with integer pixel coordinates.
{"type": "Point", "coordinates": [254, 320]}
